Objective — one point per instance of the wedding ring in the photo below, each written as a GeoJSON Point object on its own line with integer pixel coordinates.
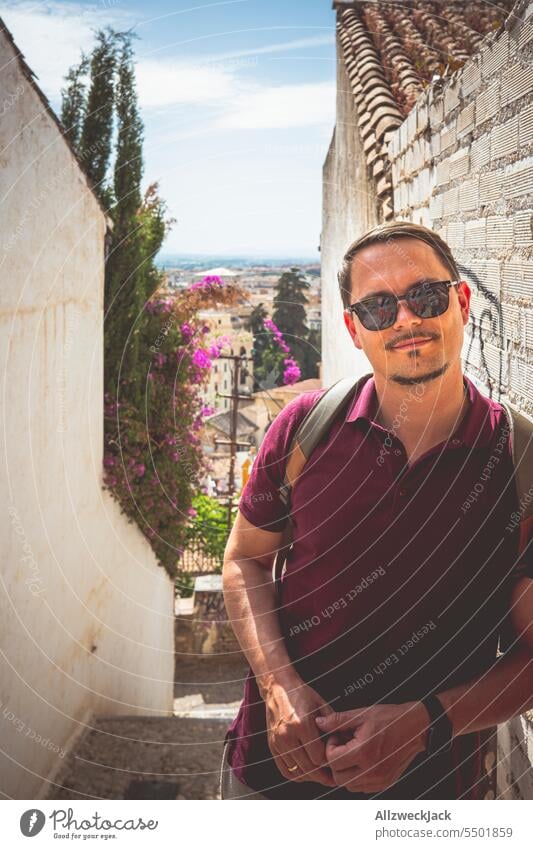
{"type": "Point", "coordinates": [293, 768]}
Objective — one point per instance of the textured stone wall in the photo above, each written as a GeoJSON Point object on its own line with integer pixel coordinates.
{"type": "Point", "coordinates": [462, 163]}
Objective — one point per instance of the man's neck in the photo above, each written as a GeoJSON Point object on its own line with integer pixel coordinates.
{"type": "Point", "coordinates": [423, 414]}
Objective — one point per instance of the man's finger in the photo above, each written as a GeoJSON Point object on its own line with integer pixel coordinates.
{"type": "Point", "coordinates": [343, 755]}
{"type": "Point", "coordinates": [307, 770]}
{"type": "Point", "coordinates": [314, 746]}
{"type": "Point", "coordinates": [340, 721]}
{"type": "Point", "coordinates": [325, 709]}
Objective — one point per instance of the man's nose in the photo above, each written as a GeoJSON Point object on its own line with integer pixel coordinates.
{"type": "Point", "coordinates": [406, 317]}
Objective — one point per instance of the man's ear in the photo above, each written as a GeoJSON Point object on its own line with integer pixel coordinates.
{"type": "Point", "coordinates": [464, 294]}
{"type": "Point", "coordinates": [352, 329]}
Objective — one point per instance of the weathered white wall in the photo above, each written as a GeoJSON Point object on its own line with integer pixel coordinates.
{"type": "Point", "coordinates": [86, 619]}
{"type": "Point", "coordinates": [349, 210]}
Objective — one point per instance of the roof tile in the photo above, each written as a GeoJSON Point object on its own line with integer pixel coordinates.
{"type": "Point", "coordinates": [391, 52]}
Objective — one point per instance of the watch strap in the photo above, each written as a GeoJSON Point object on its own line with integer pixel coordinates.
{"type": "Point", "coordinates": [440, 732]}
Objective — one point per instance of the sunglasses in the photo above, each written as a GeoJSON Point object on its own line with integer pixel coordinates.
{"type": "Point", "coordinates": [426, 300]}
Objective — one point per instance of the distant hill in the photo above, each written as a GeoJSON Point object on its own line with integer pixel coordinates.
{"type": "Point", "coordinates": [203, 261]}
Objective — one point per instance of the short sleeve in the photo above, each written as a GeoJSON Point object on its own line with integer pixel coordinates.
{"type": "Point", "coordinates": [524, 567]}
{"type": "Point", "coordinates": [260, 503]}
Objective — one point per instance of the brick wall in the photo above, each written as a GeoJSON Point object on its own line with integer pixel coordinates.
{"type": "Point", "coordinates": [462, 163]}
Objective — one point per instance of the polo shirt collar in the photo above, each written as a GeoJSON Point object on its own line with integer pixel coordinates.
{"type": "Point", "coordinates": [474, 431]}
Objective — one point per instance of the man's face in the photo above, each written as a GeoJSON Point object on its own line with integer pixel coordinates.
{"type": "Point", "coordinates": [393, 267]}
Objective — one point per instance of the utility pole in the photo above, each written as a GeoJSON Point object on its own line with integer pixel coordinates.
{"type": "Point", "coordinates": [233, 442]}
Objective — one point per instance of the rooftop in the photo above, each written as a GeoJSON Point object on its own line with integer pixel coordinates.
{"type": "Point", "coordinates": [394, 50]}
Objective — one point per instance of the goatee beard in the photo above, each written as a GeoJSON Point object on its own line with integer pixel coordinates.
{"type": "Point", "coordinates": [421, 378]}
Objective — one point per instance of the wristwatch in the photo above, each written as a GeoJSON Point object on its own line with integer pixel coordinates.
{"type": "Point", "coordinates": [440, 733]}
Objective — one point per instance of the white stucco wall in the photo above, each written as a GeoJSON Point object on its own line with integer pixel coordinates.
{"type": "Point", "coordinates": [349, 210]}
{"type": "Point", "coordinates": [86, 617]}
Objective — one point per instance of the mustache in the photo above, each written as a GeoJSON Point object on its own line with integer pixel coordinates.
{"type": "Point", "coordinates": [407, 337]}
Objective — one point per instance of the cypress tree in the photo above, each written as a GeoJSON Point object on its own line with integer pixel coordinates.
{"type": "Point", "coordinates": [139, 223]}
{"type": "Point", "coordinates": [97, 131]}
{"type": "Point", "coordinates": [125, 273]}
{"type": "Point", "coordinates": [289, 313]}
{"type": "Point", "coordinates": [255, 324]}
{"type": "Point", "coordinates": [73, 101]}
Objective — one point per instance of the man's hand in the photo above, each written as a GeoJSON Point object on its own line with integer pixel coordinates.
{"type": "Point", "coordinates": [368, 749]}
{"type": "Point", "coordinates": [293, 737]}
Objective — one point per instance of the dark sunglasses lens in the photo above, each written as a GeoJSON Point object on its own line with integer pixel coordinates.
{"type": "Point", "coordinates": [377, 313]}
{"type": "Point", "coordinates": [429, 301]}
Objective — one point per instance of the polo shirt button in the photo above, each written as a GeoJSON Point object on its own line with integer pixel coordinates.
{"type": "Point", "coordinates": [397, 452]}
{"type": "Point", "coordinates": [402, 493]}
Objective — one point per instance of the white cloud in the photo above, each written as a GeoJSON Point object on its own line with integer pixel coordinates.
{"type": "Point", "coordinates": [281, 106]}
{"type": "Point", "coordinates": [280, 47]}
{"type": "Point", "coordinates": [52, 34]}
{"type": "Point", "coordinates": [164, 82]}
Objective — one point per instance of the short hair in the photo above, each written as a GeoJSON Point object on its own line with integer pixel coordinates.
{"type": "Point", "coordinates": [382, 233]}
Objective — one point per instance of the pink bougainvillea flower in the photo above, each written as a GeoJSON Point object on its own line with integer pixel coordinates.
{"type": "Point", "coordinates": [292, 371]}
{"type": "Point", "coordinates": [210, 280]}
{"type": "Point", "coordinates": [201, 358]}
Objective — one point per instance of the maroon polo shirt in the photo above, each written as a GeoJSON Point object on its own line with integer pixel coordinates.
{"type": "Point", "coordinates": [399, 578]}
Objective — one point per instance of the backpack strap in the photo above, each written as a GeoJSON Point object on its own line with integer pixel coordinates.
{"type": "Point", "coordinates": [313, 427]}
{"type": "Point", "coordinates": [522, 447]}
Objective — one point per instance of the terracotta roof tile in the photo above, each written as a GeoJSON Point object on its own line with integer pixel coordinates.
{"type": "Point", "coordinates": [392, 50]}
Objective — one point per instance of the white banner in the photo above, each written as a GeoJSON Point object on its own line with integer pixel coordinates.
{"type": "Point", "coordinates": [363, 823]}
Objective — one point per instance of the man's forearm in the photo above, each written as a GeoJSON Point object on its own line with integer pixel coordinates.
{"type": "Point", "coordinates": [251, 602]}
{"type": "Point", "coordinates": [506, 690]}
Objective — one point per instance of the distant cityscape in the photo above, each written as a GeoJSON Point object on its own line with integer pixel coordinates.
{"type": "Point", "coordinates": [203, 261]}
{"type": "Point", "coordinates": [257, 277]}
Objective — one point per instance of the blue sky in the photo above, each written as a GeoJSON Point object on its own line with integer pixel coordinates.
{"type": "Point", "coordinates": [237, 99]}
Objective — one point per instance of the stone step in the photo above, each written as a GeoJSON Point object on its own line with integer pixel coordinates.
{"type": "Point", "coordinates": [147, 757]}
{"type": "Point", "coordinates": [194, 706]}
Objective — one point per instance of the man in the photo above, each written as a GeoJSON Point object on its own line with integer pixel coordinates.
{"type": "Point", "coordinates": [405, 569]}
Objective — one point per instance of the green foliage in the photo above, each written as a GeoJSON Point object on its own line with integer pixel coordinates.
{"type": "Point", "coordinates": [289, 315]}
{"type": "Point", "coordinates": [290, 301]}
{"type": "Point", "coordinates": [153, 459]}
{"type": "Point", "coordinates": [262, 343]}
{"type": "Point", "coordinates": [130, 274]}
{"type": "Point", "coordinates": [155, 364]}
{"type": "Point", "coordinates": [208, 530]}
{"type": "Point", "coordinates": [97, 130]}
{"type": "Point", "coordinates": [184, 585]}
{"type": "Point", "coordinates": [312, 354]}
{"type": "Point", "coordinates": [270, 372]}
{"type": "Point", "coordinates": [73, 101]}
